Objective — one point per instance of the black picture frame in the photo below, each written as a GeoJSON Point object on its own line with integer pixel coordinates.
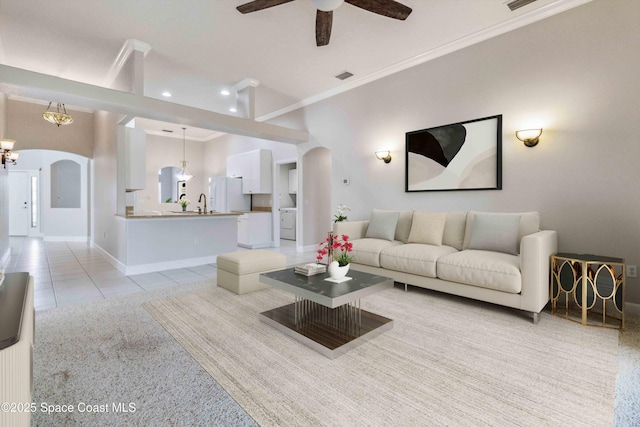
{"type": "Point", "coordinates": [459, 156]}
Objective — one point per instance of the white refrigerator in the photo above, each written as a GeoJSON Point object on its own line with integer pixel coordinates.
{"type": "Point", "coordinates": [225, 195]}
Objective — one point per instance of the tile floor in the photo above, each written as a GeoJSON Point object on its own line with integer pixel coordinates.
{"type": "Point", "coordinates": [73, 272]}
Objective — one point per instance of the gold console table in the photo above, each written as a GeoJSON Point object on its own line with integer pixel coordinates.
{"type": "Point", "coordinates": [588, 289]}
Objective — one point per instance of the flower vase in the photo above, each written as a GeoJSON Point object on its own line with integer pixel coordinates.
{"type": "Point", "coordinates": [337, 272]}
{"type": "Point", "coordinates": [184, 208]}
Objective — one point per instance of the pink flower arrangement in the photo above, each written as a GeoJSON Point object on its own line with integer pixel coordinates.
{"type": "Point", "coordinates": [339, 247]}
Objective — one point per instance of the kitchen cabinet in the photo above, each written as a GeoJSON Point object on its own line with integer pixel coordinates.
{"type": "Point", "coordinates": [254, 230]}
{"type": "Point", "coordinates": [234, 165]}
{"type": "Point", "coordinates": [288, 224]}
{"type": "Point", "coordinates": [293, 181]}
{"type": "Point", "coordinates": [255, 168]}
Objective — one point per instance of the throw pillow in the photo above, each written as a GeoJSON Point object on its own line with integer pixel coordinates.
{"type": "Point", "coordinates": [427, 227]}
{"type": "Point", "coordinates": [382, 225]}
{"type": "Point", "coordinates": [497, 233]}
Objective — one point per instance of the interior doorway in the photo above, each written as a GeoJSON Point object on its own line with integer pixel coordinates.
{"type": "Point", "coordinates": [285, 202]}
{"type": "Point", "coordinates": [19, 203]}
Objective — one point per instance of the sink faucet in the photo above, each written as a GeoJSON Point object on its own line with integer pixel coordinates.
{"type": "Point", "coordinates": [205, 201]}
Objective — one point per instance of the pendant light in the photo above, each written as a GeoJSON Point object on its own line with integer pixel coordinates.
{"type": "Point", "coordinates": [57, 117]}
{"type": "Point", "coordinates": [184, 174]}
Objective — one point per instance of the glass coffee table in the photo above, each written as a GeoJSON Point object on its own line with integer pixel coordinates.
{"type": "Point", "coordinates": [327, 316]}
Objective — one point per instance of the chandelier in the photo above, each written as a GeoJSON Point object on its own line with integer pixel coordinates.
{"type": "Point", "coordinates": [57, 117]}
{"type": "Point", "coordinates": [184, 175]}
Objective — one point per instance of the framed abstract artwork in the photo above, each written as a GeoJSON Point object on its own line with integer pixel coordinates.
{"type": "Point", "coordinates": [459, 156]}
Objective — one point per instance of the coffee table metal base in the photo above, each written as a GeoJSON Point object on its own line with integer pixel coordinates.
{"type": "Point", "coordinates": [329, 331]}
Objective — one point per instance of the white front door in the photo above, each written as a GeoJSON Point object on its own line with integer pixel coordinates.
{"type": "Point", "coordinates": [19, 197]}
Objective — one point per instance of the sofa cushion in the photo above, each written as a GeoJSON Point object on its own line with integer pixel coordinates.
{"type": "Point", "coordinates": [529, 223]}
{"type": "Point", "coordinates": [495, 233]}
{"type": "Point", "coordinates": [454, 229]}
{"type": "Point", "coordinates": [427, 227]}
{"type": "Point", "coordinates": [414, 258]}
{"type": "Point", "coordinates": [367, 251]}
{"type": "Point", "coordinates": [382, 225]}
{"type": "Point", "coordinates": [486, 269]}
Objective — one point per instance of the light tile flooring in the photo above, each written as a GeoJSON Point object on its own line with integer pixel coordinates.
{"type": "Point", "coordinates": [73, 272]}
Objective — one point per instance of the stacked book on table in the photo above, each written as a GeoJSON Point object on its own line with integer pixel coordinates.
{"type": "Point", "coordinates": [310, 269]}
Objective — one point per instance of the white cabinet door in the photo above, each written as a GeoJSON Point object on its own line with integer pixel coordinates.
{"type": "Point", "coordinates": [288, 225]}
{"type": "Point", "coordinates": [293, 181]}
{"type": "Point", "coordinates": [243, 231]}
{"type": "Point", "coordinates": [255, 168]}
{"type": "Point", "coordinates": [234, 165]}
{"type": "Point", "coordinates": [254, 230]}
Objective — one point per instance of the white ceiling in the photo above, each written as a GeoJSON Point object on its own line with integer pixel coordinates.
{"type": "Point", "coordinates": [199, 47]}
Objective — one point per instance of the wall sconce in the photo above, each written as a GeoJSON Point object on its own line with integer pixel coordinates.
{"type": "Point", "coordinates": [530, 137]}
{"type": "Point", "coordinates": [384, 155]}
{"type": "Point", "coordinates": [8, 156]}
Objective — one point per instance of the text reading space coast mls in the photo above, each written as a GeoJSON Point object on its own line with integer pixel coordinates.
{"type": "Point", "coordinates": [52, 408]}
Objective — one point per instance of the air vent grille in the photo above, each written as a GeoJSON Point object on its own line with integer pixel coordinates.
{"type": "Point", "coordinates": [167, 130]}
{"type": "Point", "coordinates": [344, 76]}
{"type": "Point", "coordinates": [517, 4]}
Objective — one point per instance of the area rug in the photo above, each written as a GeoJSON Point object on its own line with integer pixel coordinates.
{"type": "Point", "coordinates": [447, 361]}
{"type": "Point", "coordinates": [109, 363]}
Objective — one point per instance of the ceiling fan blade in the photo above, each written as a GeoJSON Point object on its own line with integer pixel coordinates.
{"type": "Point", "coordinates": [254, 6]}
{"type": "Point", "coordinates": [324, 21]}
{"type": "Point", "coordinates": [389, 8]}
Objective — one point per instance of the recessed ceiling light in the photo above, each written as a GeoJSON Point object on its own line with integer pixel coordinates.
{"type": "Point", "coordinates": [166, 94]}
{"type": "Point", "coordinates": [233, 109]}
{"type": "Point", "coordinates": [224, 92]}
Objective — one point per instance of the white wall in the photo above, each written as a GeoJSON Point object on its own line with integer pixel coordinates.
{"type": "Point", "coordinates": [575, 74]}
{"type": "Point", "coordinates": [26, 124]}
{"type": "Point", "coordinates": [58, 223]}
{"type": "Point", "coordinates": [164, 151]}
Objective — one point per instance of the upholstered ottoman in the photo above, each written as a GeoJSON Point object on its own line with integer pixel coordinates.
{"type": "Point", "coordinates": [239, 272]}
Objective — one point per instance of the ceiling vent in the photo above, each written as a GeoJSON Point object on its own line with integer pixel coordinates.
{"type": "Point", "coordinates": [344, 76]}
{"type": "Point", "coordinates": [167, 130]}
{"type": "Point", "coordinates": [517, 4]}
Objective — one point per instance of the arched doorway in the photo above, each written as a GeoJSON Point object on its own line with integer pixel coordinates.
{"type": "Point", "coordinates": [50, 197]}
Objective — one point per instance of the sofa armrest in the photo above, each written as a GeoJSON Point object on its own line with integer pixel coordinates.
{"type": "Point", "coordinates": [535, 263]}
{"type": "Point", "coordinates": [354, 229]}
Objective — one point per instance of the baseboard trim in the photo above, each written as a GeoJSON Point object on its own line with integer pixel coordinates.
{"type": "Point", "coordinates": [632, 308]}
{"type": "Point", "coordinates": [130, 270]}
{"type": "Point", "coordinates": [308, 248]}
{"type": "Point", "coordinates": [169, 265]}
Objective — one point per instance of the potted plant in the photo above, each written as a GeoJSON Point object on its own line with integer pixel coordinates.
{"type": "Point", "coordinates": [341, 213]}
{"type": "Point", "coordinates": [184, 202]}
{"type": "Point", "coordinates": [338, 248]}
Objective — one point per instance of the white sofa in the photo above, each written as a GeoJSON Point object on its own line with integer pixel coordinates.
{"type": "Point", "coordinates": [470, 254]}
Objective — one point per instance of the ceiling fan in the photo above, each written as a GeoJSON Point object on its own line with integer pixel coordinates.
{"type": "Point", "coordinates": [324, 15]}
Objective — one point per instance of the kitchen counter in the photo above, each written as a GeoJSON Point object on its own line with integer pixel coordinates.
{"type": "Point", "coordinates": [161, 242]}
{"type": "Point", "coordinates": [174, 215]}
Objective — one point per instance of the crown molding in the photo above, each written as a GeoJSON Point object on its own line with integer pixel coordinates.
{"type": "Point", "coordinates": [527, 18]}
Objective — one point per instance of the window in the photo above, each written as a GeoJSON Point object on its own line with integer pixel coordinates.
{"type": "Point", "coordinates": [34, 202]}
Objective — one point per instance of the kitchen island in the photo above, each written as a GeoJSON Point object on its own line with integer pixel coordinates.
{"type": "Point", "coordinates": [162, 241]}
